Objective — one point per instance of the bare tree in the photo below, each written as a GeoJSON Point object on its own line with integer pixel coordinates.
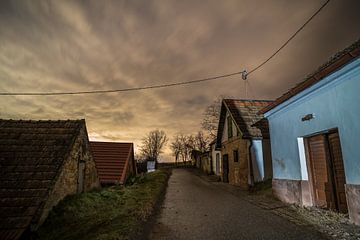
{"type": "Point", "coordinates": [201, 142]}
{"type": "Point", "coordinates": [183, 145]}
{"type": "Point", "coordinates": [211, 118]}
{"type": "Point", "coordinates": [153, 144]}
{"type": "Point", "coordinates": [176, 148]}
{"type": "Point", "coordinates": [189, 146]}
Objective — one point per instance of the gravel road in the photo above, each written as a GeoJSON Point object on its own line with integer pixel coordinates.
{"type": "Point", "coordinates": [197, 209]}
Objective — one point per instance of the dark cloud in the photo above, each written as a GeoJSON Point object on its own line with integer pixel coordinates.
{"type": "Point", "coordinates": [87, 45]}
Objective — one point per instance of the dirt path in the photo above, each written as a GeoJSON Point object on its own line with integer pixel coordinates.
{"type": "Point", "coordinates": [196, 209]}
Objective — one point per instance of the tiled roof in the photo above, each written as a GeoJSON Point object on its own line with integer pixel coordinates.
{"type": "Point", "coordinates": [246, 117]}
{"type": "Point", "coordinates": [336, 62]}
{"type": "Point", "coordinates": [111, 160]}
{"type": "Point", "coordinates": [31, 154]}
{"type": "Point", "coordinates": [245, 114]}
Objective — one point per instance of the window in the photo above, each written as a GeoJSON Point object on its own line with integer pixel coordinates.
{"type": "Point", "coordinates": [229, 125]}
{"type": "Point", "coordinates": [236, 155]}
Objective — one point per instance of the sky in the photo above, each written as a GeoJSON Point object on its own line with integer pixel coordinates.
{"type": "Point", "coordinates": [53, 46]}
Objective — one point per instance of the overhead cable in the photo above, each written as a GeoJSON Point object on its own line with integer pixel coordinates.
{"type": "Point", "coordinates": [243, 73]}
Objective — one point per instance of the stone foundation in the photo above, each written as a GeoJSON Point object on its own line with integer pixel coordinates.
{"type": "Point", "coordinates": [353, 202]}
{"type": "Point", "coordinates": [298, 192]}
{"type": "Point", "coordinates": [288, 191]}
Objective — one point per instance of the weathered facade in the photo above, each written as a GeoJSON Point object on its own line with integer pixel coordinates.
{"type": "Point", "coordinates": [195, 158]}
{"type": "Point", "coordinates": [41, 163]}
{"type": "Point", "coordinates": [202, 161]}
{"type": "Point", "coordinates": [206, 162]}
{"type": "Point", "coordinates": [315, 137]}
{"type": "Point", "coordinates": [243, 140]}
{"type": "Point", "coordinates": [114, 161]}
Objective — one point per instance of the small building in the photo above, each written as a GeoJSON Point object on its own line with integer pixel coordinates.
{"type": "Point", "coordinates": [205, 162]}
{"type": "Point", "coordinates": [41, 162]}
{"type": "Point", "coordinates": [215, 158]}
{"type": "Point", "coordinates": [114, 161]}
{"type": "Point", "coordinates": [315, 140]}
{"type": "Point", "coordinates": [195, 158]}
{"type": "Point", "coordinates": [202, 161]}
{"type": "Point", "coordinates": [243, 138]}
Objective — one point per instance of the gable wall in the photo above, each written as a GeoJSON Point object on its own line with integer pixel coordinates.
{"type": "Point", "coordinates": [225, 130]}
{"type": "Point", "coordinates": [67, 180]}
{"type": "Point", "coordinates": [334, 101]}
{"type": "Point", "coordinates": [130, 168]}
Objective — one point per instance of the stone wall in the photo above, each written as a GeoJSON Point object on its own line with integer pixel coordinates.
{"type": "Point", "coordinates": [67, 180]}
{"type": "Point", "coordinates": [91, 180]}
{"type": "Point", "coordinates": [288, 191]}
{"type": "Point", "coordinates": [130, 168]}
{"type": "Point", "coordinates": [353, 202]}
{"type": "Point", "coordinates": [205, 163]}
{"type": "Point", "coordinates": [238, 171]}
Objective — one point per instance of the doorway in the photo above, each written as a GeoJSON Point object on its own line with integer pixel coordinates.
{"type": "Point", "coordinates": [225, 168]}
{"type": "Point", "coordinates": [326, 171]}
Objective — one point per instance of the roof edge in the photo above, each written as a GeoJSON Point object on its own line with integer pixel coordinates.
{"type": "Point", "coordinates": [335, 63]}
{"type": "Point", "coordinates": [111, 142]}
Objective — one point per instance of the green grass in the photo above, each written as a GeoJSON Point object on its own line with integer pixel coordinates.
{"type": "Point", "coordinates": [115, 212]}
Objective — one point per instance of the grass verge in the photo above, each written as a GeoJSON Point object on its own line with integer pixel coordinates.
{"type": "Point", "coordinates": [115, 212]}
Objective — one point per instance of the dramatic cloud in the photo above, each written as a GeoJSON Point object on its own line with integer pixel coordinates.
{"type": "Point", "coordinates": [93, 45]}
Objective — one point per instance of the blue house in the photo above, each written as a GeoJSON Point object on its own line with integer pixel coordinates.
{"type": "Point", "coordinates": [315, 137]}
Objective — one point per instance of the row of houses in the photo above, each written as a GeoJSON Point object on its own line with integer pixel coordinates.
{"type": "Point", "coordinates": [41, 162]}
{"type": "Point", "coordinates": [306, 141]}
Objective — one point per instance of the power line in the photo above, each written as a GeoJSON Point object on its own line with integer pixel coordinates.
{"type": "Point", "coordinates": [120, 90]}
{"type": "Point", "coordinates": [282, 46]}
{"type": "Point", "coordinates": [243, 73]}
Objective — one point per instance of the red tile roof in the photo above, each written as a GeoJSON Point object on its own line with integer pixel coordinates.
{"type": "Point", "coordinates": [31, 157]}
{"type": "Point", "coordinates": [112, 159]}
{"type": "Point", "coordinates": [335, 63]}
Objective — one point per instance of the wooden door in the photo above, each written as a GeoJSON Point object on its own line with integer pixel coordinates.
{"type": "Point", "coordinates": [338, 171]}
{"type": "Point", "coordinates": [81, 176]}
{"type": "Point", "coordinates": [322, 186]}
{"type": "Point", "coordinates": [225, 168]}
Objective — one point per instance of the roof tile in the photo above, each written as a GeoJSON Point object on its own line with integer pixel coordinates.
{"type": "Point", "coordinates": [31, 153]}
{"type": "Point", "coordinates": [111, 159]}
{"type": "Point", "coordinates": [245, 114]}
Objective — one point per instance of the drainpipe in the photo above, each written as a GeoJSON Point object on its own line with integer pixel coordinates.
{"type": "Point", "coordinates": [251, 165]}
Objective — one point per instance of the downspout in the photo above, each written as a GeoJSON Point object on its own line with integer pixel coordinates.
{"type": "Point", "coordinates": [251, 166]}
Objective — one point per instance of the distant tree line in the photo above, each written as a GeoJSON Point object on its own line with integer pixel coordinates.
{"type": "Point", "coordinates": [182, 145]}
